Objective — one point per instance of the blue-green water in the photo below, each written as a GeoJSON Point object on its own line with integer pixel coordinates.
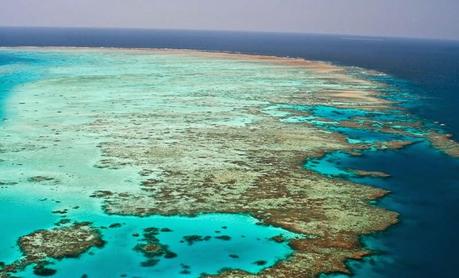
{"type": "Point", "coordinates": [329, 118]}
{"type": "Point", "coordinates": [17, 220]}
{"type": "Point", "coordinates": [23, 213]}
{"type": "Point", "coordinates": [249, 242]}
{"type": "Point", "coordinates": [13, 73]}
{"type": "Point", "coordinates": [233, 241]}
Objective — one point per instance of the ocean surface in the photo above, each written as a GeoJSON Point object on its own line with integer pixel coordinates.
{"type": "Point", "coordinates": [424, 182]}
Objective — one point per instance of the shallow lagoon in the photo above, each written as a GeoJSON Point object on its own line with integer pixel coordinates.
{"type": "Point", "coordinates": [27, 206]}
{"type": "Point", "coordinates": [250, 241]}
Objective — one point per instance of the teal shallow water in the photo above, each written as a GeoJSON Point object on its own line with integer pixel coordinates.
{"type": "Point", "coordinates": [20, 215]}
{"type": "Point", "coordinates": [329, 118]}
{"type": "Point", "coordinates": [249, 241]}
{"type": "Point", "coordinates": [26, 206]}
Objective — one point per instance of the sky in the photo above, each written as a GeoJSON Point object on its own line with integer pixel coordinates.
{"type": "Point", "coordinates": [393, 18]}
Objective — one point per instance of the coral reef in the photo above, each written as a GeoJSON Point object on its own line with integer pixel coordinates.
{"type": "Point", "coordinates": [58, 243]}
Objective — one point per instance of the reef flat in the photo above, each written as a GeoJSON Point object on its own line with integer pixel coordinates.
{"type": "Point", "coordinates": [58, 243]}
{"type": "Point", "coordinates": [178, 132]}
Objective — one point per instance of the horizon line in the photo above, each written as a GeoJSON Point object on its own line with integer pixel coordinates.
{"type": "Point", "coordinates": [232, 31]}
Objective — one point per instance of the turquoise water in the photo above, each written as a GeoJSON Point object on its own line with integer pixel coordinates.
{"type": "Point", "coordinates": [329, 165]}
{"type": "Point", "coordinates": [25, 207]}
{"type": "Point", "coordinates": [13, 72]}
{"type": "Point", "coordinates": [358, 135]}
{"type": "Point", "coordinates": [23, 213]}
{"type": "Point", "coordinates": [20, 215]}
{"type": "Point", "coordinates": [337, 114]}
{"type": "Point", "coordinates": [249, 241]}
{"type": "Point", "coordinates": [329, 118]}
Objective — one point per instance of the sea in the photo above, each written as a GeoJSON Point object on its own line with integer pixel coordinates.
{"type": "Point", "coordinates": [424, 183]}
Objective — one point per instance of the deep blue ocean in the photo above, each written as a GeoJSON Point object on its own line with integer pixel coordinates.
{"type": "Point", "coordinates": [424, 182]}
